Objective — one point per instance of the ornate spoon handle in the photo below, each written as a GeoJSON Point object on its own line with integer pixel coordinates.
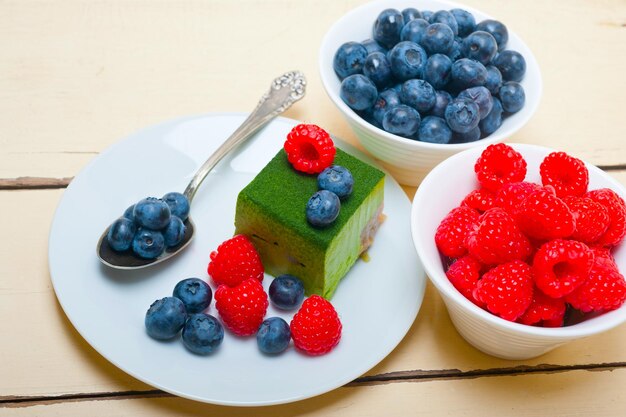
{"type": "Point", "coordinates": [284, 91]}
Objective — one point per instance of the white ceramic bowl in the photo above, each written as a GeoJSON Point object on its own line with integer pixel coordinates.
{"type": "Point", "coordinates": [409, 160]}
{"type": "Point", "coordinates": [441, 191]}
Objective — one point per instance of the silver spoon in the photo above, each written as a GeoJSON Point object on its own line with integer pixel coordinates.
{"type": "Point", "coordinates": [284, 91]}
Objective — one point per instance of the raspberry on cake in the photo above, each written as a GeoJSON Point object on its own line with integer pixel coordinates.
{"type": "Point", "coordinates": [271, 212]}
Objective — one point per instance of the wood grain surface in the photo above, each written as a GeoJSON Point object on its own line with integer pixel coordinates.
{"type": "Point", "coordinates": [76, 76]}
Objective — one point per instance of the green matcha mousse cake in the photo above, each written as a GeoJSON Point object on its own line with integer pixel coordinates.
{"type": "Point", "coordinates": [271, 210]}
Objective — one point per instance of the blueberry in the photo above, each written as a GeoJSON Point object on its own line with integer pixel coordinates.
{"type": "Point", "coordinates": [322, 208]}
{"type": "Point", "coordinates": [410, 14]}
{"type": "Point", "coordinates": [427, 15]}
{"type": "Point", "coordinates": [165, 318]}
{"type": "Point", "coordinates": [336, 179]}
{"type": "Point", "coordinates": [512, 96]}
{"type": "Point", "coordinates": [386, 100]}
{"type": "Point", "coordinates": [286, 292]}
{"type": "Point", "coordinates": [437, 70]}
{"type": "Point", "coordinates": [120, 234]}
{"type": "Point", "coordinates": [437, 39]}
{"type": "Point", "coordinates": [179, 205]}
{"type": "Point", "coordinates": [462, 115]}
{"type": "Point", "coordinates": [414, 30]}
{"type": "Point", "coordinates": [148, 244]}
{"type": "Point", "coordinates": [480, 46]}
{"type": "Point", "coordinates": [195, 294]}
{"type": "Point", "coordinates": [471, 136]}
{"type": "Point", "coordinates": [358, 92]}
{"type": "Point", "coordinates": [407, 60]}
{"type": "Point", "coordinates": [434, 130]}
{"type": "Point", "coordinates": [128, 213]}
{"type": "Point", "coordinates": [387, 27]}
{"type": "Point", "coordinates": [418, 94]}
{"type": "Point", "coordinates": [446, 18]}
{"type": "Point", "coordinates": [372, 46]}
{"type": "Point", "coordinates": [465, 21]}
{"type": "Point", "coordinates": [378, 69]}
{"type": "Point", "coordinates": [152, 213]}
{"type": "Point", "coordinates": [349, 59]}
{"type": "Point", "coordinates": [273, 336]}
{"type": "Point", "coordinates": [493, 82]}
{"type": "Point", "coordinates": [442, 99]}
{"type": "Point", "coordinates": [368, 116]}
{"type": "Point", "coordinates": [481, 96]}
{"type": "Point", "coordinates": [202, 334]}
{"type": "Point", "coordinates": [493, 121]}
{"type": "Point", "coordinates": [455, 52]}
{"type": "Point", "coordinates": [511, 64]}
{"type": "Point", "coordinates": [401, 120]}
{"type": "Point", "coordinates": [497, 30]}
{"type": "Point", "coordinates": [468, 73]}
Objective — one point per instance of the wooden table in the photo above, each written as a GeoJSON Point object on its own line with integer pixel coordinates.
{"type": "Point", "coordinates": [76, 76]}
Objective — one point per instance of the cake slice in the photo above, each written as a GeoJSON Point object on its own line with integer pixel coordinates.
{"type": "Point", "coordinates": [271, 212]}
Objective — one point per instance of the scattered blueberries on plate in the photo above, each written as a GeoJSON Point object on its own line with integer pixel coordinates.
{"type": "Point", "coordinates": [165, 318]}
{"type": "Point", "coordinates": [202, 334]}
{"type": "Point", "coordinates": [419, 62]}
{"type": "Point", "coordinates": [286, 292]}
{"type": "Point", "coordinates": [336, 179]}
{"type": "Point", "coordinates": [195, 294]}
{"type": "Point", "coordinates": [273, 335]}
{"type": "Point", "coordinates": [322, 208]}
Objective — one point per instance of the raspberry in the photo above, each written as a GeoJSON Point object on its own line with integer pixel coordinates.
{"type": "Point", "coordinates": [496, 239]}
{"type": "Point", "coordinates": [568, 175]}
{"type": "Point", "coordinates": [560, 266]}
{"type": "Point", "coordinates": [512, 195]}
{"type": "Point", "coordinates": [604, 289]}
{"type": "Point", "coordinates": [602, 252]}
{"type": "Point", "coordinates": [592, 219]}
{"type": "Point", "coordinates": [481, 200]}
{"type": "Point", "coordinates": [464, 275]}
{"type": "Point", "coordinates": [309, 149]}
{"type": "Point", "coordinates": [617, 215]}
{"type": "Point", "coordinates": [234, 261]}
{"type": "Point", "coordinates": [243, 307]}
{"type": "Point", "coordinates": [507, 290]}
{"type": "Point", "coordinates": [453, 229]}
{"type": "Point", "coordinates": [544, 311]}
{"type": "Point", "coordinates": [499, 164]}
{"type": "Point", "coordinates": [315, 328]}
{"type": "Point", "coordinates": [543, 215]}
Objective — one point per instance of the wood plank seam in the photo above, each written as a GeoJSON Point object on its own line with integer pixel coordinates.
{"type": "Point", "coordinates": [389, 378]}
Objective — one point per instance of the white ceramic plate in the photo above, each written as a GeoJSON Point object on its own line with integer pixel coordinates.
{"type": "Point", "coordinates": [377, 300]}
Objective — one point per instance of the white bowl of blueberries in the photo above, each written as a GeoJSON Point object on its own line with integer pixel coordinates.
{"type": "Point", "coordinates": [419, 81]}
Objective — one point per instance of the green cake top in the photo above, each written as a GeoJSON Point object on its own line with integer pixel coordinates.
{"type": "Point", "coordinates": [282, 193]}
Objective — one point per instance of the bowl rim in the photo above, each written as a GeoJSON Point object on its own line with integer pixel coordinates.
{"type": "Point", "coordinates": [438, 278]}
{"type": "Point", "coordinates": [498, 136]}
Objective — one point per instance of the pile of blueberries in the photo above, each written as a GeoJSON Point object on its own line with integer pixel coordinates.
{"type": "Point", "coordinates": [335, 183]}
{"type": "Point", "coordinates": [203, 333]}
{"type": "Point", "coordinates": [150, 226]}
{"type": "Point", "coordinates": [434, 77]}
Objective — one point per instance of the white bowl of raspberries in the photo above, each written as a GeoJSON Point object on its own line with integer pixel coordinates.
{"type": "Point", "coordinates": [419, 81]}
{"type": "Point", "coordinates": [525, 246]}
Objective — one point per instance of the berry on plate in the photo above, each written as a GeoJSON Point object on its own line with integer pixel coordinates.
{"type": "Point", "coordinates": [592, 219]}
{"type": "Point", "coordinates": [316, 328]}
{"type": "Point", "coordinates": [273, 336]}
{"type": "Point", "coordinates": [194, 293]}
{"type": "Point", "coordinates": [560, 266]}
{"type": "Point", "coordinates": [542, 215]}
{"type": "Point", "coordinates": [604, 289]}
{"type": "Point", "coordinates": [464, 275]}
{"type": "Point", "coordinates": [309, 148]}
{"type": "Point", "coordinates": [617, 215]}
{"type": "Point", "coordinates": [243, 307]}
{"type": "Point", "coordinates": [202, 334]}
{"type": "Point", "coordinates": [452, 232]}
{"type": "Point", "coordinates": [496, 239]}
{"type": "Point", "coordinates": [544, 311]}
{"type": "Point", "coordinates": [506, 290]}
{"type": "Point", "coordinates": [165, 318]}
{"type": "Point", "coordinates": [234, 261]}
{"type": "Point", "coordinates": [286, 292]}
{"type": "Point", "coordinates": [499, 164]}
{"type": "Point", "coordinates": [568, 175]}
